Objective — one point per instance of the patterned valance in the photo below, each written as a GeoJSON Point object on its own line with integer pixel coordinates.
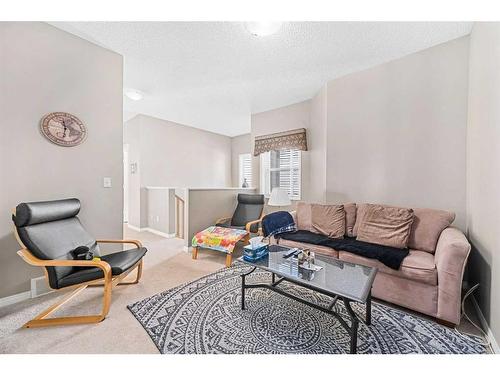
{"type": "Point", "coordinates": [292, 139]}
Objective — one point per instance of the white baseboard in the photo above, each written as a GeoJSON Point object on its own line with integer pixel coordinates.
{"type": "Point", "coordinates": [159, 233]}
{"type": "Point", "coordinates": [486, 327]}
{"type": "Point", "coordinates": [137, 229]}
{"type": "Point", "coordinates": [9, 300]}
{"type": "Point", "coordinates": [151, 230]}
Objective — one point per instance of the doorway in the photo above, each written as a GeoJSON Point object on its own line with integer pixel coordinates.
{"type": "Point", "coordinates": [125, 182]}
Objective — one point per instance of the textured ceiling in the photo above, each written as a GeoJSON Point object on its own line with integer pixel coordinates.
{"type": "Point", "coordinates": [213, 75]}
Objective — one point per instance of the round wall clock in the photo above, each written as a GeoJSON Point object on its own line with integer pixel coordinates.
{"type": "Point", "coordinates": [63, 129]}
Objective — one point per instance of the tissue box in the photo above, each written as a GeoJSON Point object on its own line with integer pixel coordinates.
{"type": "Point", "coordinates": [254, 253]}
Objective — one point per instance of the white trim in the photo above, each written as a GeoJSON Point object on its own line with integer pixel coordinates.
{"type": "Point", "coordinates": [486, 327]}
{"type": "Point", "coordinates": [9, 300]}
{"type": "Point", "coordinates": [151, 230]}
{"type": "Point", "coordinates": [44, 290]}
{"type": "Point", "coordinates": [158, 233]}
{"type": "Point", "coordinates": [221, 188]}
{"type": "Point", "coordinates": [137, 229]}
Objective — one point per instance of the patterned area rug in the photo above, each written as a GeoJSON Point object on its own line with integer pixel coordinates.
{"type": "Point", "coordinates": [205, 316]}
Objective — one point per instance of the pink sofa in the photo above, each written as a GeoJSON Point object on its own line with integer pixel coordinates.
{"type": "Point", "coordinates": [429, 279]}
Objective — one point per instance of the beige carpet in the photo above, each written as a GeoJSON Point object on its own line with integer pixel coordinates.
{"type": "Point", "coordinates": [166, 266]}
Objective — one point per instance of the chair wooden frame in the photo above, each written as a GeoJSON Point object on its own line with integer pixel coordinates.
{"type": "Point", "coordinates": [248, 225]}
{"type": "Point", "coordinates": [108, 282]}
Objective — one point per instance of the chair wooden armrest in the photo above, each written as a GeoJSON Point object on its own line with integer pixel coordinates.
{"type": "Point", "coordinates": [137, 243]}
{"type": "Point", "coordinates": [248, 225]}
{"type": "Point", "coordinates": [34, 261]}
{"type": "Point", "coordinates": [223, 220]}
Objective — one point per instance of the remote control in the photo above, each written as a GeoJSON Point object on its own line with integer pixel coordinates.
{"type": "Point", "coordinates": [289, 253]}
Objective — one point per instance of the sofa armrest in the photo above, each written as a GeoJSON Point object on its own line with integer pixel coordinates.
{"type": "Point", "coordinates": [452, 251]}
{"type": "Point", "coordinates": [294, 215]}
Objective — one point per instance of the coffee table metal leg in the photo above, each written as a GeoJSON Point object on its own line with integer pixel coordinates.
{"type": "Point", "coordinates": [243, 292]}
{"type": "Point", "coordinates": [368, 319]}
{"type": "Point", "coordinates": [273, 277]}
{"type": "Point", "coordinates": [354, 326]}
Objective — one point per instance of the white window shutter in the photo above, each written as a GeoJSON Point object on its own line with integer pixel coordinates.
{"type": "Point", "coordinates": [245, 170]}
{"type": "Point", "coordinates": [281, 169]}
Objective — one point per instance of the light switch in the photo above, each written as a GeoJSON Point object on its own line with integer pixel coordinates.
{"type": "Point", "coordinates": [106, 182]}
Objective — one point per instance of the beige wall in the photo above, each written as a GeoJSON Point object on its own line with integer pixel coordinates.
{"type": "Point", "coordinates": [294, 116]}
{"type": "Point", "coordinates": [483, 169]}
{"type": "Point", "coordinates": [43, 69]}
{"type": "Point", "coordinates": [317, 144]}
{"type": "Point", "coordinates": [160, 209]}
{"type": "Point", "coordinates": [173, 155]}
{"type": "Point", "coordinates": [241, 144]}
{"type": "Point", "coordinates": [396, 132]}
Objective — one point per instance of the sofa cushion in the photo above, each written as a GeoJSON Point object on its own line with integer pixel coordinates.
{"type": "Point", "coordinates": [385, 225]}
{"type": "Point", "coordinates": [417, 266]}
{"type": "Point", "coordinates": [427, 227]}
{"type": "Point", "coordinates": [328, 220]}
{"type": "Point", "coordinates": [360, 213]}
{"type": "Point", "coordinates": [303, 216]}
{"type": "Point", "coordinates": [318, 249]}
{"type": "Point", "coordinates": [350, 218]}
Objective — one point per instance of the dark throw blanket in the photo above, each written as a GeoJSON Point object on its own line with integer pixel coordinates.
{"type": "Point", "coordinates": [390, 256]}
{"type": "Point", "coordinates": [277, 222]}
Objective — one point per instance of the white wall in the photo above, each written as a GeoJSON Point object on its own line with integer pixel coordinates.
{"type": "Point", "coordinates": [160, 209]}
{"type": "Point", "coordinates": [132, 137]}
{"type": "Point", "coordinates": [42, 70]}
{"type": "Point", "coordinates": [173, 155]}
{"type": "Point", "coordinates": [483, 169]}
{"type": "Point", "coordinates": [317, 144]}
{"type": "Point", "coordinates": [392, 134]}
{"type": "Point", "coordinates": [397, 132]}
{"type": "Point", "coordinates": [241, 144]}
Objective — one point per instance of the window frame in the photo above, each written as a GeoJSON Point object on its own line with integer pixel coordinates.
{"type": "Point", "coordinates": [241, 174]}
{"type": "Point", "coordinates": [265, 174]}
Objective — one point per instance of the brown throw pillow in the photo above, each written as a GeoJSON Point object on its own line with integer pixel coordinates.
{"type": "Point", "coordinates": [384, 225]}
{"type": "Point", "coordinates": [303, 216]}
{"type": "Point", "coordinates": [427, 227]}
{"type": "Point", "coordinates": [350, 218]}
{"type": "Point", "coordinates": [328, 220]}
{"type": "Point", "coordinates": [360, 213]}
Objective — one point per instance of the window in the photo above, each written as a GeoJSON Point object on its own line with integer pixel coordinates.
{"type": "Point", "coordinates": [245, 170]}
{"type": "Point", "coordinates": [281, 169]}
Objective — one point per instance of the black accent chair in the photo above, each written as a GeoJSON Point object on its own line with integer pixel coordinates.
{"type": "Point", "coordinates": [48, 233]}
{"type": "Point", "coordinates": [248, 213]}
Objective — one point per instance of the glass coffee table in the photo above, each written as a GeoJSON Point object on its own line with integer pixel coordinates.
{"type": "Point", "coordinates": [346, 281]}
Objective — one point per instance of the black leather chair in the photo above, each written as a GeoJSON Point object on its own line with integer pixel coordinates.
{"type": "Point", "coordinates": [248, 213]}
{"type": "Point", "coordinates": [49, 232]}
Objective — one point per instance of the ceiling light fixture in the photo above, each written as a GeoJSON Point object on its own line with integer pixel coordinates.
{"type": "Point", "coordinates": [133, 94]}
{"type": "Point", "coordinates": [263, 28]}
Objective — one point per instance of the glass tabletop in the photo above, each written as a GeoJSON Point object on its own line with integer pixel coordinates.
{"type": "Point", "coordinates": [336, 277]}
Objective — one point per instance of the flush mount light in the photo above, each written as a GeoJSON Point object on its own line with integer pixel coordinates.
{"type": "Point", "coordinates": [263, 28]}
{"type": "Point", "coordinates": [133, 94]}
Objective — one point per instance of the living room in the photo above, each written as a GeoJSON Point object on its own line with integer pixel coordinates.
{"type": "Point", "coordinates": [242, 187]}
